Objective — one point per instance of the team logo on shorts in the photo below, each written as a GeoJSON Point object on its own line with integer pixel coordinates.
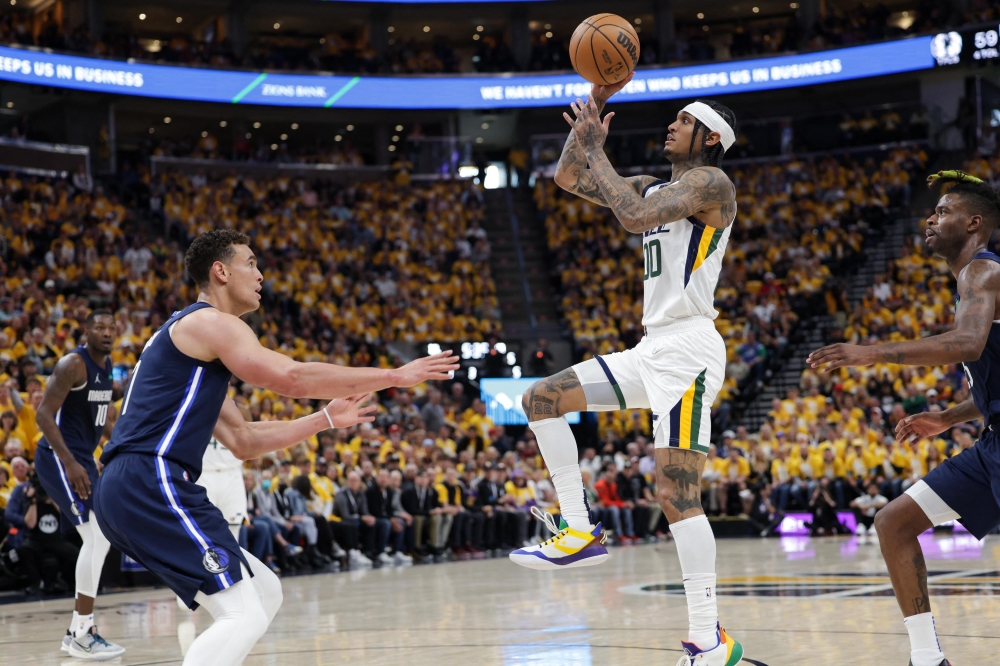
{"type": "Point", "coordinates": [215, 560]}
{"type": "Point", "coordinates": [76, 508]}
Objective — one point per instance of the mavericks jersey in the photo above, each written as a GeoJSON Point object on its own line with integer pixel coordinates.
{"type": "Point", "coordinates": [682, 261]}
{"type": "Point", "coordinates": [984, 374]}
{"type": "Point", "coordinates": [84, 412]}
{"type": "Point", "coordinates": [172, 403]}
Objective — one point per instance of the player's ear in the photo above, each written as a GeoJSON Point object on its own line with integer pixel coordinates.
{"type": "Point", "coordinates": [975, 223]}
{"type": "Point", "coordinates": [713, 138]}
{"type": "Point", "coordinates": [219, 270]}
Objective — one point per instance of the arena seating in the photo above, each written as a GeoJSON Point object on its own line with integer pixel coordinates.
{"type": "Point", "coordinates": [350, 269]}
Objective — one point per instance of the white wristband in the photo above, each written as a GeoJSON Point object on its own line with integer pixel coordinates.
{"type": "Point", "coordinates": [328, 419]}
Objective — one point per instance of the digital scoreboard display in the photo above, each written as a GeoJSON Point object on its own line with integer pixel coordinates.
{"type": "Point", "coordinates": [325, 90]}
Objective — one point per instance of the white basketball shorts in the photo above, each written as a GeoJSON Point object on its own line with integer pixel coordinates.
{"type": "Point", "coordinates": [227, 492]}
{"type": "Point", "coordinates": [676, 370]}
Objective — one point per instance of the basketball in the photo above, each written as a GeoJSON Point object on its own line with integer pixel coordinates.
{"type": "Point", "coordinates": [604, 49]}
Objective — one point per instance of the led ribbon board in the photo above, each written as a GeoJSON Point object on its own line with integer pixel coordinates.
{"type": "Point", "coordinates": [456, 92]}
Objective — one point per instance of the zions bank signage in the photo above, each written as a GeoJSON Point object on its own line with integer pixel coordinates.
{"type": "Point", "coordinates": [456, 92]}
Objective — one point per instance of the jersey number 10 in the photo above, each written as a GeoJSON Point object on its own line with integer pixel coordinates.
{"type": "Point", "coordinates": [102, 415]}
{"type": "Point", "coordinates": [654, 262]}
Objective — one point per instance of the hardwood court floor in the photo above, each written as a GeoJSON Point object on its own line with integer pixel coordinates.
{"type": "Point", "coordinates": [792, 601]}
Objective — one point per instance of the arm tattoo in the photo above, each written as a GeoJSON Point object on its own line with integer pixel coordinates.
{"type": "Point", "coordinates": [698, 190]}
{"type": "Point", "coordinates": [921, 604]}
{"type": "Point", "coordinates": [573, 161]}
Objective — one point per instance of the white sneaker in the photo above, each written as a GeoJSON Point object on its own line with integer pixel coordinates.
{"type": "Point", "coordinates": [358, 558]}
{"type": "Point", "coordinates": [91, 647]}
{"type": "Point", "coordinates": [872, 531]}
{"type": "Point", "coordinates": [727, 652]}
{"type": "Point", "coordinates": [338, 552]}
{"type": "Point", "coordinates": [402, 559]}
{"type": "Point", "coordinates": [566, 549]}
{"type": "Point", "coordinates": [385, 558]}
{"type": "Point", "coordinates": [66, 641]}
{"type": "Point", "coordinates": [860, 530]}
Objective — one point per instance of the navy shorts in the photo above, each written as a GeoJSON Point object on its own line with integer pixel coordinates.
{"type": "Point", "coordinates": [149, 510]}
{"type": "Point", "coordinates": [969, 483]}
{"type": "Point", "coordinates": [52, 474]}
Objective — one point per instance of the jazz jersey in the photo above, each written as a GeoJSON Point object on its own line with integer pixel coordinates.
{"type": "Point", "coordinates": [682, 262]}
{"type": "Point", "coordinates": [84, 412]}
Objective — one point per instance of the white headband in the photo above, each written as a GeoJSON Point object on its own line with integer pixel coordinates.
{"type": "Point", "coordinates": [713, 121]}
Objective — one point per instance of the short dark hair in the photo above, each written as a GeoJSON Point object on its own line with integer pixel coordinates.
{"type": "Point", "coordinates": [713, 156]}
{"type": "Point", "coordinates": [94, 314]}
{"type": "Point", "coordinates": [981, 200]}
{"type": "Point", "coordinates": [210, 247]}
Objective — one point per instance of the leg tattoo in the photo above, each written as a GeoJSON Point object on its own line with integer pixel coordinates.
{"type": "Point", "coordinates": [921, 603]}
{"type": "Point", "coordinates": [544, 399]}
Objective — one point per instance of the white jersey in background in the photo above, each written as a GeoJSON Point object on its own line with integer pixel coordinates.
{"type": "Point", "coordinates": [222, 477]}
{"type": "Point", "coordinates": [682, 260]}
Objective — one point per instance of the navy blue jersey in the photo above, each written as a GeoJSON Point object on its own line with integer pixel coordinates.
{"type": "Point", "coordinates": [84, 412]}
{"type": "Point", "coordinates": [984, 374]}
{"type": "Point", "coordinates": [172, 403]}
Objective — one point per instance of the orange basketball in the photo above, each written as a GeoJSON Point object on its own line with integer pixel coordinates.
{"type": "Point", "coordinates": [604, 49]}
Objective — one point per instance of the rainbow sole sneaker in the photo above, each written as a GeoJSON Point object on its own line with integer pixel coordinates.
{"type": "Point", "coordinates": [726, 653]}
{"type": "Point", "coordinates": [566, 549]}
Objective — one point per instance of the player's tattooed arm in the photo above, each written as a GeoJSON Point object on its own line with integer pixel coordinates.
{"type": "Point", "coordinates": [700, 190]}
{"type": "Point", "coordinates": [573, 175]}
{"type": "Point", "coordinates": [978, 287]}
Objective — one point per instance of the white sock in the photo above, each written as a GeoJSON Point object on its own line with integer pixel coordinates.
{"type": "Point", "coordinates": [72, 623]}
{"type": "Point", "coordinates": [696, 551]}
{"type": "Point", "coordinates": [82, 624]}
{"type": "Point", "coordinates": [558, 448]}
{"type": "Point", "coordinates": [925, 648]}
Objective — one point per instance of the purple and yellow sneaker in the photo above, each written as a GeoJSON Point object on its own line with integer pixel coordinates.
{"type": "Point", "coordinates": [726, 652]}
{"type": "Point", "coordinates": [566, 549]}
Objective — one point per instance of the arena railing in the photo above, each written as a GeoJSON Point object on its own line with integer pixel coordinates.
{"type": "Point", "coordinates": [50, 160]}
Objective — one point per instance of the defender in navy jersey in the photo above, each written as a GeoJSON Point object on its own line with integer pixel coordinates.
{"type": "Point", "coordinates": [146, 500]}
{"type": "Point", "coordinates": [75, 412]}
{"type": "Point", "coordinates": [966, 487]}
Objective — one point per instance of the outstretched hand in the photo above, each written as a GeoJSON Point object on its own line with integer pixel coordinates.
{"type": "Point", "coordinates": [839, 355]}
{"type": "Point", "coordinates": [437, 367]}
{"type": "Point", "coordinates": [590, 130]}
{"type": "Point", "coordinates": [921, 426]}
{"type": "Point", "coordinates": [345, 412]}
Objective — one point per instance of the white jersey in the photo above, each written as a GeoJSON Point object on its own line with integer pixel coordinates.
{"type": "Point", "coordinates": [219, 459]}
{"type": "Point", "coordinates": [682, 261]}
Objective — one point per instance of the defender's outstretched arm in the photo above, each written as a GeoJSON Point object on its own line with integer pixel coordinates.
{"type": "Point", "coordinates": [217, 335]}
